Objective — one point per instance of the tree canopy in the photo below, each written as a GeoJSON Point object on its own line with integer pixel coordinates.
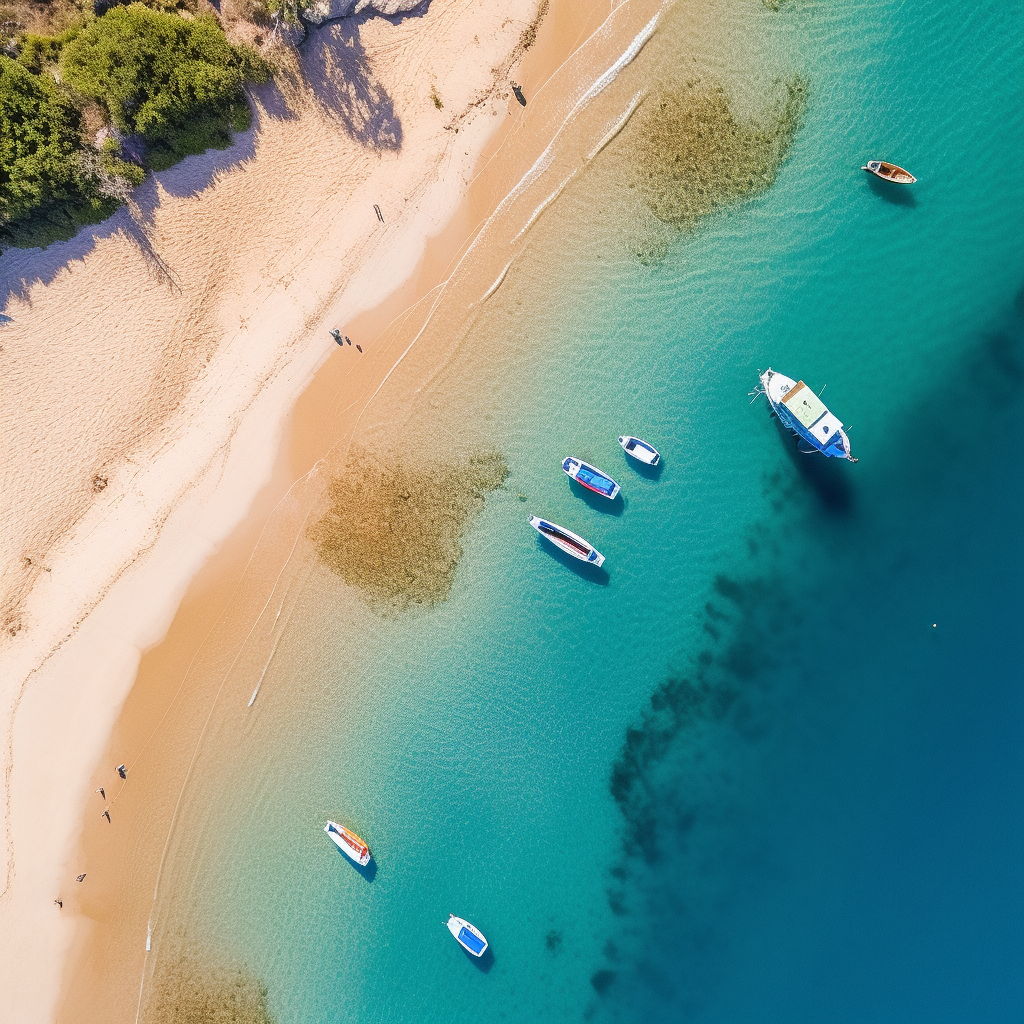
{"type": "Point", "coordinates": [175, 81]}
{"type": "Point", "coordinates": [38, 143]}
{"type": "Point", "coordinates": [171, 80]}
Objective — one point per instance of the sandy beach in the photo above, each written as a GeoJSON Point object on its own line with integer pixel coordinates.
{"type": "Point", "coordinates": [169, 377]}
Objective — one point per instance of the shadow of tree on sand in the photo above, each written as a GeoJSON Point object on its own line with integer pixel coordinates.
{"type": "Point", "coordinates": [338, 71]}
{"type": "Point", "coordinates": [22, 269]}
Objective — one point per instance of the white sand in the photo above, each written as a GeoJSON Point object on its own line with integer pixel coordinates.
{"type": "Point", "coordinates": [146, 373]}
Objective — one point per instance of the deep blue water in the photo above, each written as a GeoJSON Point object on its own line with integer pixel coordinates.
{"type": "Point", "coordinates": [741, 776]}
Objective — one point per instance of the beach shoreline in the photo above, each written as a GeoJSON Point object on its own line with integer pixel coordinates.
{"type": "Point", "coordinates": [197, 548]}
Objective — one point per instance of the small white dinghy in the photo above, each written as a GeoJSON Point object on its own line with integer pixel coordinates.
{"type": "Point", "coordinates": [469, 938]}
{"type": "Point", "coordinates": [640, 450]}
{"type": "Point", "coordinates": [569, 542]}
{"type": "Point", "coordinates": [349, 843]}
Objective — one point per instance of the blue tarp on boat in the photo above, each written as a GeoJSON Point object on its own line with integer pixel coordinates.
{"type": "Point", "coordinates": [473, 942]}
{"type": "Point", "coordinates": [595, 480]}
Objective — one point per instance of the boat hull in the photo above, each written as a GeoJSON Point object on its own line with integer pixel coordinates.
{"type": "Point", "coordinates": [637, 448]}
{"type": "Point", "coordinates": [889, 172]}
{"type": "Point", "coordinates": [349, 843]}
{"type": "Point", "coordinates": [565, 540]}
{"type": "Point", "coordinates": [825, 434]}
{"type": "Point", "coordinates": [470, 938]}
{"type": "Point", "coordinates": [591, 477]}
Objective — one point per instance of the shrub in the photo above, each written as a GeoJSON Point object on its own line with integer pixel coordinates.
{"type": "Point", "coordinates": [35, 52]}
{"type": "Point", "coordinates": [38, 142]}
{"type": "Point", "coordinates": [176, 82]}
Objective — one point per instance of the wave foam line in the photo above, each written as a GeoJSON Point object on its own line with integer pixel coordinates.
{"type": "Point", "coordinates": [540, 165]}
{"type": "Point", "coordinates": [497, 284]}
{"type": "Point", "coordinates": [619, 124]}
{"type": "Point", "coordinates": [543, 206]}
{"type": "Point", "coordinates": [631, 53]}
{"type": "Point", "coordinates": [255, 693]}
{"type": "Point", "coordinates": [544, 160]}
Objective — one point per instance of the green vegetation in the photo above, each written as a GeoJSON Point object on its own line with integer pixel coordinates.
{"type": "Point", "coordinates": [174, 83]}
{"type": "Point", "coordinates": [45, 190]}
{"type": "Point", "coordinates": [289, 11]}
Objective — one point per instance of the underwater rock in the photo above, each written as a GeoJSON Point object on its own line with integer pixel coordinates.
{"type": "Point", "coordinates": [187, 990]}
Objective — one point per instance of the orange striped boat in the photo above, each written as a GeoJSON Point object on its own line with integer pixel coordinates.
{"type": "Point", "coordinates": [349, 843]}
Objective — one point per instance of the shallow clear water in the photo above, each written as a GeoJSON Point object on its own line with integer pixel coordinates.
{"type": "Point", "coordinates": [821, 819]}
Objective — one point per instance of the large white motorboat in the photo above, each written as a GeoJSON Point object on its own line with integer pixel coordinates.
{"type": "Point", "coordinates": [469, 938]}
{"type": "Point", "coordinates": [349, 843]}
{"type": "Point", "coordinates": [803, 412]}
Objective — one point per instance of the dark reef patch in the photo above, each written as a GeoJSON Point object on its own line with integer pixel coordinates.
{"type": "Point", "coordinates": [394, 529]}
{"type": "Point", "coordinates": [187, 990]}
{"type": "Point", "coordinates": [694, 155]}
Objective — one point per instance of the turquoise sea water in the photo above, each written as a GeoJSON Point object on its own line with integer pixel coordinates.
{"type": "Point", "coordinates": [768, 767]}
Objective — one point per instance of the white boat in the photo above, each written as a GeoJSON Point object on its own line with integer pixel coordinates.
{"type": "Point", "coordinates": [804, 413]}
{"type": "Point", "coordinates": [349, 843]}
{"type": "Point", "coordinates": [569, 542]}
{"type": "Point", "coordinates": [590, 477]}
{"type": "Point", "coordinates": [469, 938]}
{"type": "Point", "coordinates": [640, 450]}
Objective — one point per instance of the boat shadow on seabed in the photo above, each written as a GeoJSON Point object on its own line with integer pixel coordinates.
{"type": "Point", "coordinates": [586, 571]}
{"type": "Point", "coordinates": [642, 469]}
{"type": "Point", "coordinates": [829, 478]}
{"type": "Point", "coordinates": [369, 872]}
{"type": "Point", "coordinates": [598, 502]}
{"type": "Point", "coordinates": [898, 195]}
{"type": "Point", "coordinates": [482, 963]}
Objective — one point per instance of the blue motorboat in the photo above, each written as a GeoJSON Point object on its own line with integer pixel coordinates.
{"type": "Point", "coordinates": [590, 477]}
{"type": "Point", "coordinates": [640, 450]}
{"type": "Point", "coordinates": [469, 938]}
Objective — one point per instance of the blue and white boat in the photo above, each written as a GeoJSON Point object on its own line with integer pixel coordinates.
{"type": "Point", "coordinates": [569, 542]}
{"type": "Point", "coordinates": [590, 477]}
{"type": "Point", "coordinates": [804, 413]}
{"type": "Point", "coordinates": [640, 450]}
{"type": "Point", "coordinates": [469, 938]}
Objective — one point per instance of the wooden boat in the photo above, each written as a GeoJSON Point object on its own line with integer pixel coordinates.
{"type": "Point", "coordinates": [640, 450]}
{"type": "Point", "coordinates": [590, 477]}
{"type": "Point", "coordinates": [469, 938]}
{"type": "Point", "coordinates": [569, 542]}
{"type": "Point", "coordinates": [349, 843]}
{"type": "Point", "coordinates": [889, 172]}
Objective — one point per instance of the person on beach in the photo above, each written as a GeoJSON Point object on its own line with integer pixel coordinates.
{"type": "Point", "coordinates": [348, 340]}
{"type": "Point", "coordinates": [102, 793]}
{"type": "Point", "coordinates": [359, 348]}
{"type": "Point", "coordinates": [122, 771]}
{"type": "Point", "coordinates": [59, 902]}
{"type": "Point", "coordinates": [81, 877]}
{"type": "Point", "coordinates": [106, 814]}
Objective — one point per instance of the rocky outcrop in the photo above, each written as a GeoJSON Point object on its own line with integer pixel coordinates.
{"type": "Point", "coordinates": [328, 10]}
